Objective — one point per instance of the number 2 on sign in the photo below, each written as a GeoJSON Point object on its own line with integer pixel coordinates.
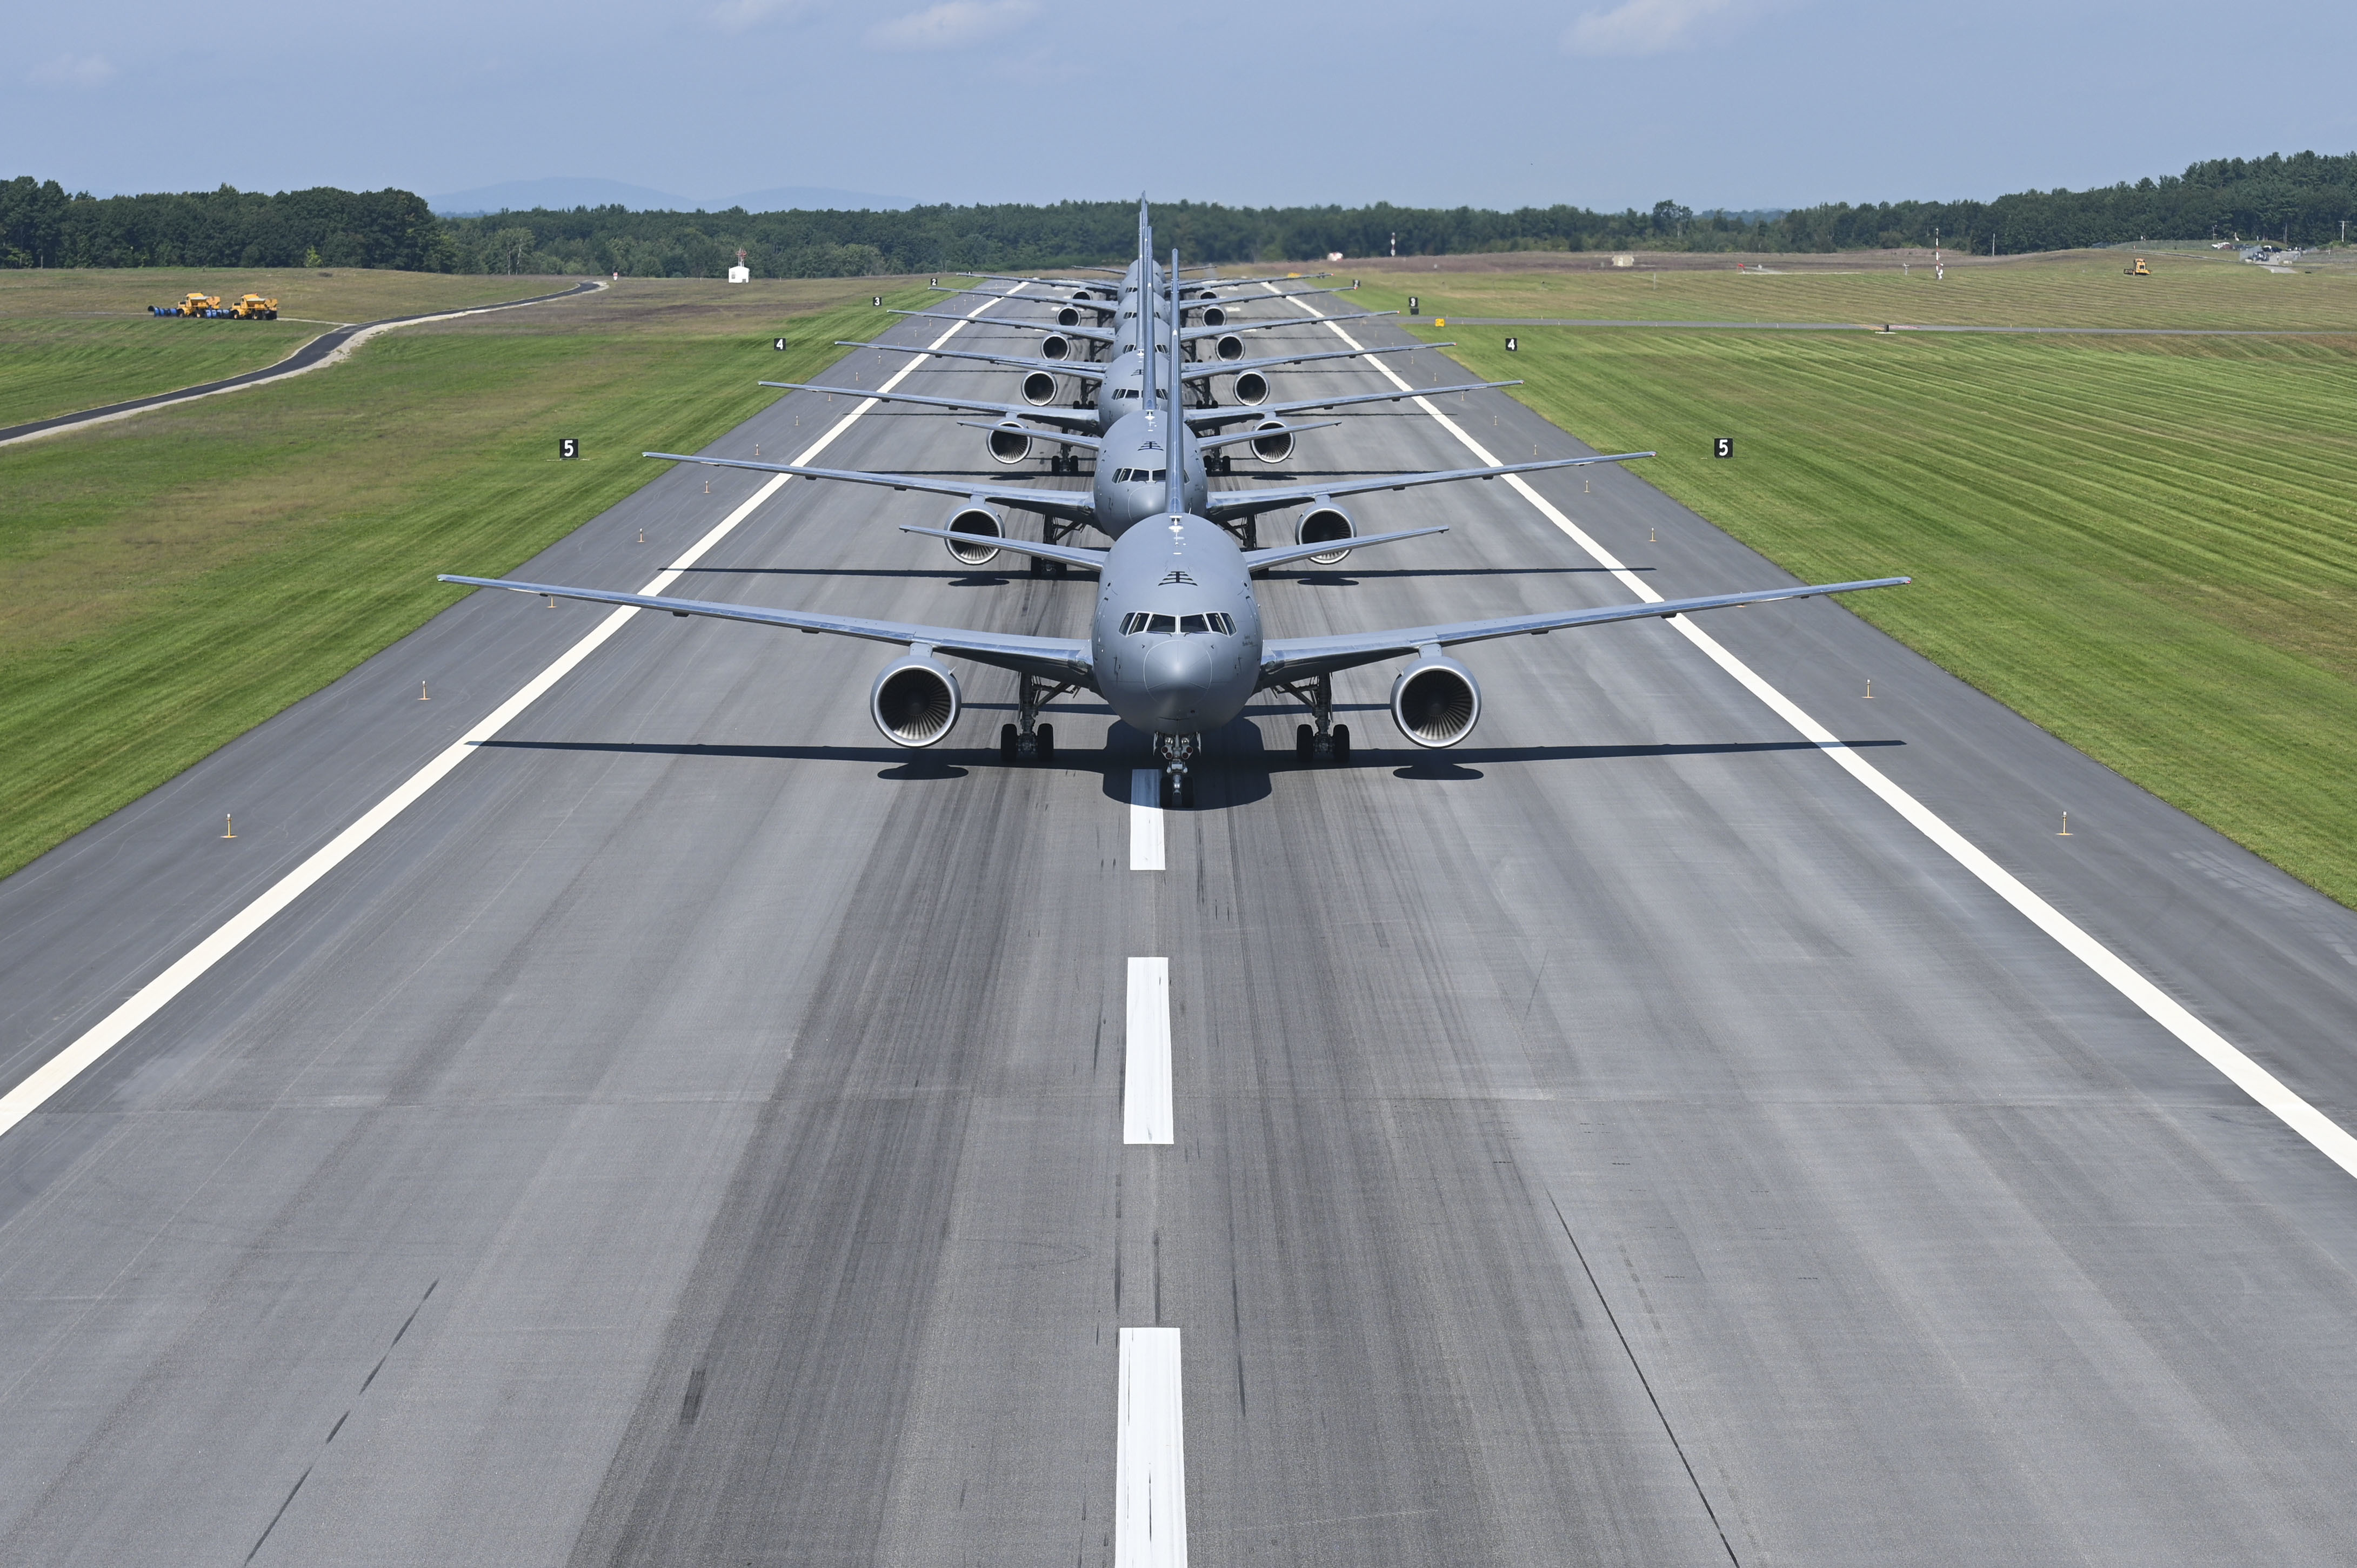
{"type": "Point", "coordinates": [1722, 446]}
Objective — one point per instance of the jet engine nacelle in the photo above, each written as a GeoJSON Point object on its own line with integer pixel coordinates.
{"type": "Point", "coordinates": [1251, 389]}
{"type": "Point", "coordinates": [1436, 701]}
{"type": "Point", "coordinates": [1228, 346]}
{"type": "Point", "coordinates": [1068, 317]}
{"type": "Point", "coordinates": [1323, 522]}
{"type": "Point", "coordinates": [975, 527]}
{"type": "Point", "coordinates": [1010, 442]}
{"type": "Point", "coordinates": [1055, 346]}
{"type": "Point", "coordinates": [1273, 448]}
{"type": "Point", "coordinates": [1215, 316]}
{"type": "Point", "coordinates": [1039, 389]}
{"type": "Point", "coordinates": [914, 701]}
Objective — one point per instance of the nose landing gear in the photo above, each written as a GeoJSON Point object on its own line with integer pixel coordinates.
{"type": "Point", "coordinates": [1176, 751]}
{"type": "Point", "coordinates": [1321, 739]}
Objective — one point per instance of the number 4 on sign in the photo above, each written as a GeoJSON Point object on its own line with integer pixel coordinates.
{"type": "Point", "coordinates": [1722, 446]}
{"type": "Point", "coordinates": [1513, 345]}
{"type": "Point", "coordinates": [779, 345]}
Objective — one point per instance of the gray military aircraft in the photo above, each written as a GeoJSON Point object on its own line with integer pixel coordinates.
{"type": "Point", "coordinates": [1176, 648]}
{"type": "Point", "coordinates": [1134, 463]}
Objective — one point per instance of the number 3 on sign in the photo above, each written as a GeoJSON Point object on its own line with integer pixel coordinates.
{"type": "Point", "coordinates": [1722, 446]}
{"type": "Point", "coordinates": [568, 447]}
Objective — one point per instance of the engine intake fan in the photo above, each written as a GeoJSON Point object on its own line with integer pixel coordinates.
{"type": "Point", "coordinates": [1320, 524]}
{"type": "Point", "coordinates": [1039, 389]}
{"type": "Point", "coordinates": [973, 523]}
{"type": "Point", "coordinates": [1436, 701]}
{"type": "Point", "coordinates": [1273, 448]}
{"type": "Point", "coordinates": [914, 701]}
{"type": "Point", "coordinates": [1010, 442]}
{"type": "Point", "coordinates": [1252, 389]}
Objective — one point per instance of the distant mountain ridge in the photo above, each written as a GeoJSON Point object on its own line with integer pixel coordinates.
{"type": "Point", "coordinates": [563, 193]}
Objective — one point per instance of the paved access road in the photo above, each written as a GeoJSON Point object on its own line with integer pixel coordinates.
{"type": "Point", "coordinates": [692, 1130]}
{"type": "Point", "coordinates": [309, 357]}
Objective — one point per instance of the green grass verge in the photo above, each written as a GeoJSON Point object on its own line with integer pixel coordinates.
{"type": "Point", "coordinates": [73, 341]}
{"type": "Point", "coordinates": [2067, 288]}
{"type": "Point", "coordinates": [176, 578]}
{"type": "Point", "coordinates": [2141, 545]}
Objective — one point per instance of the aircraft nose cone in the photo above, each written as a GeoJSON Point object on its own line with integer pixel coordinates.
{"type": "Point", "coordinates": [1178, 676]}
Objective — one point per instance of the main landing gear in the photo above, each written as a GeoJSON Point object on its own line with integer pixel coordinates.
{"type": "Point", "coordinates": [1321, 739]}
{"type": "Point", "coordinates": [1176, 752]}
{"type": "Point", "coordinates": [1028, 740]}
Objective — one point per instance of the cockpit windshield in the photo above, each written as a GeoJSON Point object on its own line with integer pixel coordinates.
{"type": "Point", "coordinates": [1139, 475]}
{"type": "Point", "coordinates": [1213, 621]}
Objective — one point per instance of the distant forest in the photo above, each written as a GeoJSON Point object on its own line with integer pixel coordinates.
{"type": "Point", "coordinates": [2304, 199]}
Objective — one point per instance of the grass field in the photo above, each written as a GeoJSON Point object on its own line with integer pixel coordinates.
{"type": "Point", "coordinates": [2070, 288]}
{"type": "Point", "coordinates": [2143, 544]}
{"type": "Point", "coordinates": [175, 578]}
{"type": "Point", "coordinates": [73, 340]}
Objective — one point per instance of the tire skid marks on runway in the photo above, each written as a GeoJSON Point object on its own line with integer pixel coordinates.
{"type": "Point", "coordinates": [1145, 820]}
{"type": "Point", "coordinates": [143, 1005]}
{"type": "Point", "coordinates": [1146, 1110]}
{"type": "Point", "coordinates": [2329, 1138]}
{"type": "Point", "coordinates": [1149, 1520]}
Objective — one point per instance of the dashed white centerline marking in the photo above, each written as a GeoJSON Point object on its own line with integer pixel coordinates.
{"type": "Point", "coordinates": [1150, 1517]}
{"type": "Point", "coordinates": [1145, 1114]}
{"type": "Point", "coordinates": [93, 1043]}
{"type": "Point", "coordinates": [1146, 819]}
{"type": "Point", "coordinates": [2329, 1138]}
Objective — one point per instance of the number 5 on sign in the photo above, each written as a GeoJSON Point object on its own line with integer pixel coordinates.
{"type": "Point", "coordinates": [568, 447]}
{"type": "Point", "coordinates": [1722, 446]}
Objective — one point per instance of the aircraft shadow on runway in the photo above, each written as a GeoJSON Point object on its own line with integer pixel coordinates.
{"type": "Point", "coordinates": [1236, 768]}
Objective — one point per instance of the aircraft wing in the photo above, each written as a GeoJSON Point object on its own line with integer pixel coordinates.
{"type": "Point", "coordinates": [1073, 506]}
{"type": "Point", "coordinates": [1054, 367]}
{"type": "Point", "coordinates": [1086, 418]}
{"type": "Point", "coordinates": [1086, 443]}
{"type": "Point", "coordinates": [1196, 372]}
{"type": "Point", "coordinates": [1070, 555]}
{"type": "Point", "coordinates": [1212, 418]}
{"type": "Point", "coordinates": [1057, 658]}
{"type": "Point", "coordinates": [1088, 334]}
{"type": "Point", "coordinates": [1227, 504]}
{"type": "Point", "coordinates": [1295, 657]}
{"type": "Point", "coordinates": [1256, 559]}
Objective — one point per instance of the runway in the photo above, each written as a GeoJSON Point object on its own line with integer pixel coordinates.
{"type": "Point", "coordinates": [692, 1131]}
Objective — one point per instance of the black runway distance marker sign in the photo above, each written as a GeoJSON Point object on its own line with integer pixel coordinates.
{"type": "Point", "coordinates": [1722, 446]}
{"type": "Point", "coordinates": [1513, 345]}
{"type": "Point", "coordinates": [568, 447]}
{"type": "Point", "coordinates": [779, 345]}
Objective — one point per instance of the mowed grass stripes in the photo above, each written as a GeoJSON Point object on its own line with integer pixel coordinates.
{"type": "Point", "coordinates": [2147, 546]}
{"type": "Point", "coordinates": [174, 579]}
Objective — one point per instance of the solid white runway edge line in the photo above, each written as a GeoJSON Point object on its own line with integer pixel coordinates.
{"type": "Point", "coordinates": [1149, 1466]}
{"type": "Point", "coordinates": [1146, 819]}
{"type": "Point", "coordinates": [2329, 1138]}
{"type": "Point", "coordinates": [143, 1004]}
{"type": "Point", "coordinates": [1146, 1112]}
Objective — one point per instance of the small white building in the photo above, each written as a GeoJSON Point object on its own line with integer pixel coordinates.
{"type": "Point", "coordinates": [740, 273]}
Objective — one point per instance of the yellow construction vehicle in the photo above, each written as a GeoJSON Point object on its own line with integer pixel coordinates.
{"type": "Point", "coordinates": [194, 304]}
{"type": "Point", "coordinates": [2139, 270]}
{"type": "Point", "coordinates": [253, 307]}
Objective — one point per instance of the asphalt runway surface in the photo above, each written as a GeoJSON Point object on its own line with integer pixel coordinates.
{"type": "Point", "coordinates": [310, 356]}
{"type": "Point", "coordinates": [690, 1132]}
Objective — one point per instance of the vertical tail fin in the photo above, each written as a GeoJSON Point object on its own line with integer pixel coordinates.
{"type": "Point", "coordinates": [1175, 498]}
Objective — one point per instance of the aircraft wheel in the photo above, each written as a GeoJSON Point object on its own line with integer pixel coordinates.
{"type": "Point", "coordinates": [1006, 743]}
{"type": "Point", "coordinates": [1047, 742]}
{"type": "Point", "coordinates": [1341, 743]}
{"type": "Point", "coordinates": [1181, 791]}
{"type": "Point", "coordinates": [1305, 740]}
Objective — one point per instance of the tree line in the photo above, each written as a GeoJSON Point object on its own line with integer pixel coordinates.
{"type": "Point", "coordinates": [2304, 198]}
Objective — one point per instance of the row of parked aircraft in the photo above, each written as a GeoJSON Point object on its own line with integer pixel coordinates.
{"type": "Point", "coordinates": [1176, 645]}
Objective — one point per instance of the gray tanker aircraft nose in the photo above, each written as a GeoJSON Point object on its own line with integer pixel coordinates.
{"type": "Point", "coordinates": [1177, 678]}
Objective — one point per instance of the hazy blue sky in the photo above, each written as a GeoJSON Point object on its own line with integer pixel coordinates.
{"type": "Point", "coordinates": [1614, 103]}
